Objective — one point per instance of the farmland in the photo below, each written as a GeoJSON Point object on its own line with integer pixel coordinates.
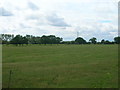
{"type": "Point", "coordinates": [60, 66]}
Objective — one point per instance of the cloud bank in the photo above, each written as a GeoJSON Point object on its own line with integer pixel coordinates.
{"type": "Point", "coordinates": [63, 18]}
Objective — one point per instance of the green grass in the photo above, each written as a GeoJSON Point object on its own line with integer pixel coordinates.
{"type": "Point", "coordinates": [61, 66]}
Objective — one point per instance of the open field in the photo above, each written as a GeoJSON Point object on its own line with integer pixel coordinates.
{"type": "Point", "coordinates": [61, 66]}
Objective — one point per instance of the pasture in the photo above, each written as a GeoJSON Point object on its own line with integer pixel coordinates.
{"type": "Point", "coordinates": [60, 66]}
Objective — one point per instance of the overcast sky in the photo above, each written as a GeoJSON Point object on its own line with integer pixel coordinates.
{"type": "Point", "coordinates": [63, 18]}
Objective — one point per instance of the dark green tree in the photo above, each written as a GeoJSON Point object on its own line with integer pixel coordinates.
{"type": "Point", "coordinates": [117, 40]}
{"type": "Point", "coordinates": [16, 40]}
{"type": "Point", "coordinates": [93, 40]}
{"type": "Point", "coordinates": [107, 42]}
{"type": "Point", "coordinates": [19, 40]}
{"type": "Point", "coordinates": [80, 40]}
{"type": "Point", "coordinates": [24, 40]}
{"type": "Point", "coordinates": [58, 40]}
{"type": "Point", "coordinates": [44, 40]}
{"type": "Point", "coordinates": [51, 39]}
{"type": "Point", "coordinates": [102, 41]}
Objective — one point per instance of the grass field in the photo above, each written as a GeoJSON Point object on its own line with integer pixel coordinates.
{"type": "Point", "coordinates": [61, 66]}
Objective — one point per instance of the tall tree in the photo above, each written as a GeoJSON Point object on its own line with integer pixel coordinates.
{"type": "Point", "coordinates": [19, 40]}
{"type": "Point", "coordinates": [102, 41]}
{"type": "Point", "coordinates": [6, 38]}
{"type": "Point", "coordinates": [117, 40]}
{"type": "Point", "coordinates": [44, 40]}
{"type": "Point", "coordinates": [93, 40]}
{"type": "Point", "coordinates": [80, 40]}
{"type": "Point", "coordinates": [24, 40]}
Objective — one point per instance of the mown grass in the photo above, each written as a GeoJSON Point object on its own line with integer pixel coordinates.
{"type": "Point", "coordinates": [61, 66]}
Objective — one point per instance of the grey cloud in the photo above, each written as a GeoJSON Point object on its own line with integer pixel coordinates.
{"type": "Point", "coordinates": [4, 12]}
{"type": "Point", "coordinates": [33, 6]}
{"type": "Point", "coordinates": [57, 21]}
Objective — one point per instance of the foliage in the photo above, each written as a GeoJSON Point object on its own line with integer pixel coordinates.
{"type": "Point", "coordinates": [93, 40]}
{"type": "Point", "coordinates": [80, 40]}
{"type": "Point", "coordinates": [19, 40]}
{"type": "Point", "coordinates": [117, 40]}
{"type": "Point", "coordinates": [50, 39]}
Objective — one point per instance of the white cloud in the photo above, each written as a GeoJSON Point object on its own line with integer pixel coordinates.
{"type": "Point", "coordinates": [60, 17]}
{"type": "Point", "coordinates": [32, 6]}
{"type": "Point", "coordinates": [57, 21]}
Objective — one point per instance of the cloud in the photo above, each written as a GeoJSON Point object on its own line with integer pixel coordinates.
{"type": "Point", "coordinates": [4, 12]}
{"type": "Point", "coordinates": [54, 20]}
{"type": "Point", "coordinates": [32, 6]}
{"type": "Point", "coordinates": [37, 18]}
{"type": "Point", "coordinates": [99, 30]}
{"type": "Point", "coordinates": [24, 26]}
{"type": "Point", "coordinates": [32, 17]}
{"type": "Point", "coordinates": [93, 17]}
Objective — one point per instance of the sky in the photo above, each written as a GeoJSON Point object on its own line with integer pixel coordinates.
{"type": "Point", "coordinates": [62, 18]}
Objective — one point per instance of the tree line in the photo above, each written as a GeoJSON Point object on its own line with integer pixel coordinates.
{"type": "Point", "coordinates": [50, 39]}
{"type": "Point", "coordinates": [29, 39]}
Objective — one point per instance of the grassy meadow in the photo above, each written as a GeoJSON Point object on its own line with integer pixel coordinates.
{"type": "Point", "coordinates": [60, 66]}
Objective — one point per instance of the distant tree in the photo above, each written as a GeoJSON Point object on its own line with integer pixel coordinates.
{"type": "Point", "coordinates": [72, 42]}
{"type": "Point", "coordinates": [102, 41]}
{"type": "Point", "coordinates": [117, 40]}
{"type": "Point", "coordinates": [38, 40]}
{"type": "Point", "coordinates": [0, 39]}
{"type": "Point", "coordinates": [98, 42]}
{"type": "Point", "coordinates": [29, 37]}
{"type": "Point", "coordinates": [66, 42]}
{"type": "Point", "coordinates": [80, 40]}
{"type": "Point", "coordinates": [19, 40]}
{"type": "Point", "coordinates": [88, 42]}
{"type": "Point", "coordinates": [93, 40]}
{"type": "Point", "coordinates": [51, 39]}
{"type": "Point", "coordinates": [6, 38]}
{"type": "Point", "coordinates": [107, 42]}
{"type": "Point", "coordinates": [34, 40]}
{"type": "Point", "coordinates": [24, 40]}
{"type": "Point", "coordinates": [44, 39]}
{"type": "Point", "coordinates": [58, 40]}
